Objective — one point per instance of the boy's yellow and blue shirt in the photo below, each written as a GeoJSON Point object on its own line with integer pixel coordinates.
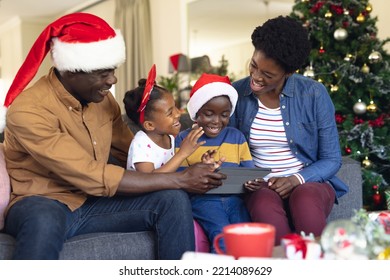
{"type": "Point", "coordinates": [230, 143]}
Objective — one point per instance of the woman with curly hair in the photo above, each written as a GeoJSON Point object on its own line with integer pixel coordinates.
{"type": "Point", "coordinates": [288, 121]}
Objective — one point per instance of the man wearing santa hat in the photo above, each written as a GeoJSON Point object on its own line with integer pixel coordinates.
{"type": "Point", "coordinates": [59, 134]}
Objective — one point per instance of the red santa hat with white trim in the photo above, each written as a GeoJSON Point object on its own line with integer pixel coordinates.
{"type": "Point", "coordinates": [77, 42]}
{"type": "Point", "coordinates": [207, 87]}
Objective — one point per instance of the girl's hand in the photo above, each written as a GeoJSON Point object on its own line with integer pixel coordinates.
{"type": "Point", "coordinates": [190, 142]}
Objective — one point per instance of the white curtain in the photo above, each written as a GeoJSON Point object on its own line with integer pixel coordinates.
{"type": "Point", "coordinates": [132, 17]}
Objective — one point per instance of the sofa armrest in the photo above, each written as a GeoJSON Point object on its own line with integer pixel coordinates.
{"type": "Point", "coordinates": [351, 174]}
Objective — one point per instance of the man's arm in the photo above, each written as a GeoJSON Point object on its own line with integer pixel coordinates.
{"type": "Point", "coordinates": [198, 178]}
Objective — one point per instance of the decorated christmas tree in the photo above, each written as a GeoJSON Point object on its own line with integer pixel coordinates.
{"type": "Point", "coordinates": [349, 59]}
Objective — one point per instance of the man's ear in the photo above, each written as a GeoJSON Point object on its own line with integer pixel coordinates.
{"type": "Point", "coordinates": [148, 125]}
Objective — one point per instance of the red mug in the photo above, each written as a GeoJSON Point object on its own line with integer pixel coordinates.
{"type": "Point", "coordinates": [247, 240]}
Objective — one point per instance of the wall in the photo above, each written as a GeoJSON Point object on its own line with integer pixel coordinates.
{"type": "Point", "coordinates": [169, 29]}
{"type": "Point", "coordinates": [380, 9]}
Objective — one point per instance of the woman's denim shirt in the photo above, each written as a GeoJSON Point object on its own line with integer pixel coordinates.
{"type": "Point", "coordinates": [309, 121]}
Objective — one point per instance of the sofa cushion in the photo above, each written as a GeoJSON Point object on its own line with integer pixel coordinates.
{"type": "Point", "coordinates": [5, 187]}
{"type": "Point", "coordinates": [110, 246]}
{"type": "Point", "coordinates": [97, 246]}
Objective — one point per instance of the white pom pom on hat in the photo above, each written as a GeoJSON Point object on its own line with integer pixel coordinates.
{"type": "Point", "coordinates": [78, 42]}
{"type": "Point", "coordinates": [207, 87]}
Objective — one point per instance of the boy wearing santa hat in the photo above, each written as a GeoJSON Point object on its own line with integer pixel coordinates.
{"type": "Point", "coordinates": [58, 137]}
{"type": "Point", "coordinates": [212, 102]}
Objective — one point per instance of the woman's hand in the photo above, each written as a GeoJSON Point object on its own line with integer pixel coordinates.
{"type": "Point", "coordinates": [283, 185]}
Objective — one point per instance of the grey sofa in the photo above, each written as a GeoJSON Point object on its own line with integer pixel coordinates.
{"type": "Point", "coordinates": [140, 245]}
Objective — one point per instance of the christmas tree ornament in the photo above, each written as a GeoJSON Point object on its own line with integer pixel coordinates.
{"type": "Point", "coordinates": [340, 34]}
{"type": "Point", "coordinates": [321, 50]}
{"type": "Point", "coordinates": [309, 72]}
{"type": "Point", "coordinates": [360, 107]}
{"type": "Point", "coordinates": [365, 69]}
{"type": "Point", "coordinates": [334, 88]}
{"type": "Point", "coordinates": [369, 8]}
{"type": "Point", "coordinates": [343, 239]}
{"type": "Point", "coordinates": [375, 57]}
{"type": "Point", "coordinates": [348, 57]}
{"type": "Point", "coordinates": [376, 197]}
{"type": "Point", "coordinates": [371, 107]}
{"type": "Point", "coordinates": [348, 150]}
{"type": "Point", "coordinates": [360, 18]}
{"type": "Point", "coordinates": [366, 163]}
{"type": "Point", "coordinates": [328, 14]}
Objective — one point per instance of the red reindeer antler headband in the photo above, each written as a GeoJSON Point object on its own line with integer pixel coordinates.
{"type": "Point", "coordinates": [148, 90]}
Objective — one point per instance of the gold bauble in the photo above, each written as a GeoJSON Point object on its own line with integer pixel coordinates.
{"type": "Point", "coordinates": [371, 107]}
{"type": "Point", "coordinates": [369, 8]}
{"type": "Point", "coordinates": [328, 14]}
{"type": "Point", "coordinates": [360, 18]}
{"type": "Point", "coordinates": [366, 163]}
{"type": "Point", "coordinates": [375, 57]}
{"type": "Point", "coordinates": [365, 69]}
